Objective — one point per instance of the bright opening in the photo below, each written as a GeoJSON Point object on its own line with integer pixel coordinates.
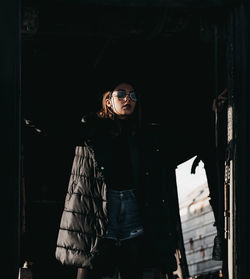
{"type": "Point", "coordinates": [197, 219]}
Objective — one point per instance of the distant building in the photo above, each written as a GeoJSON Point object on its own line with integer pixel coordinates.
{"type": "Point", "coordinates": [198, 228]}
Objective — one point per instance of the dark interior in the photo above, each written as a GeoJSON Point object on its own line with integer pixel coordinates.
{"type": "Point", "coordinates": [71, 53]}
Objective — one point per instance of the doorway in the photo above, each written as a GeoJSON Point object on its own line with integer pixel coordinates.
{"type": "Point", "coordinates": [69, 59]}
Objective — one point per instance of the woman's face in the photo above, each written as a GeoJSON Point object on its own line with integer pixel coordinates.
{"type": "Point", "coordinates": [123, 100]}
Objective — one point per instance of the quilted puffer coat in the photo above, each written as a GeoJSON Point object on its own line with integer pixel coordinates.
{"type": "Point", "coordinates": [84, 217]}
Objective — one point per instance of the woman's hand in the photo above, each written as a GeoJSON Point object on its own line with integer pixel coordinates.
{"type": "Point", "coordinates": [218, 104]}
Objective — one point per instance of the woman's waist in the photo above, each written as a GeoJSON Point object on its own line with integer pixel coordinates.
{"type": "Point", "coordinates": [126, 193]}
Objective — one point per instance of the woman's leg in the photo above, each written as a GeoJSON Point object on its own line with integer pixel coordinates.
{"type": "Point", "coordinates": [130, 259]}
{"type": "Point", "coordinates": [104, 264]}
{"type": "Point", "coordinates": [85, 273]}
{"type": "Point", "coordinates": [81, 273]}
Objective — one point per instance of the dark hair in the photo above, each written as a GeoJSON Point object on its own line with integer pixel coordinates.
{"type": "Point", "coordinates": [105, 111]}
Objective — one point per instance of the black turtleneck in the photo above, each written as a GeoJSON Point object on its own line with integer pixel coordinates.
{"type": "Point", "coordinates": [120, 175]}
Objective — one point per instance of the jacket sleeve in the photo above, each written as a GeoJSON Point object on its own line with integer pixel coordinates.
{"type": "Point", "coordinates": [68, 130]}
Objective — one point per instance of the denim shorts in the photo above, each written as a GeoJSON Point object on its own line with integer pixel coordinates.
{"type": "Point", "coordinates": [124, 221]}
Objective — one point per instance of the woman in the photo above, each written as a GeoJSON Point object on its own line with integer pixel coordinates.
{"type": "Point", "coordinates": [121, 207]}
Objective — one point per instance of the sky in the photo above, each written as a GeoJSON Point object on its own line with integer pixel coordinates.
{"type": "Point", "coordinates": [187, 182]}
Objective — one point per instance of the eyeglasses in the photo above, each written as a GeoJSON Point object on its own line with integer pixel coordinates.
{"type": "Point", "coordinates": [121, 94]}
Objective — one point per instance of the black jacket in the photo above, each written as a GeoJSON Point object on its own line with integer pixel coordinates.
{"type": "Point", "coordinates": [84, 216]}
